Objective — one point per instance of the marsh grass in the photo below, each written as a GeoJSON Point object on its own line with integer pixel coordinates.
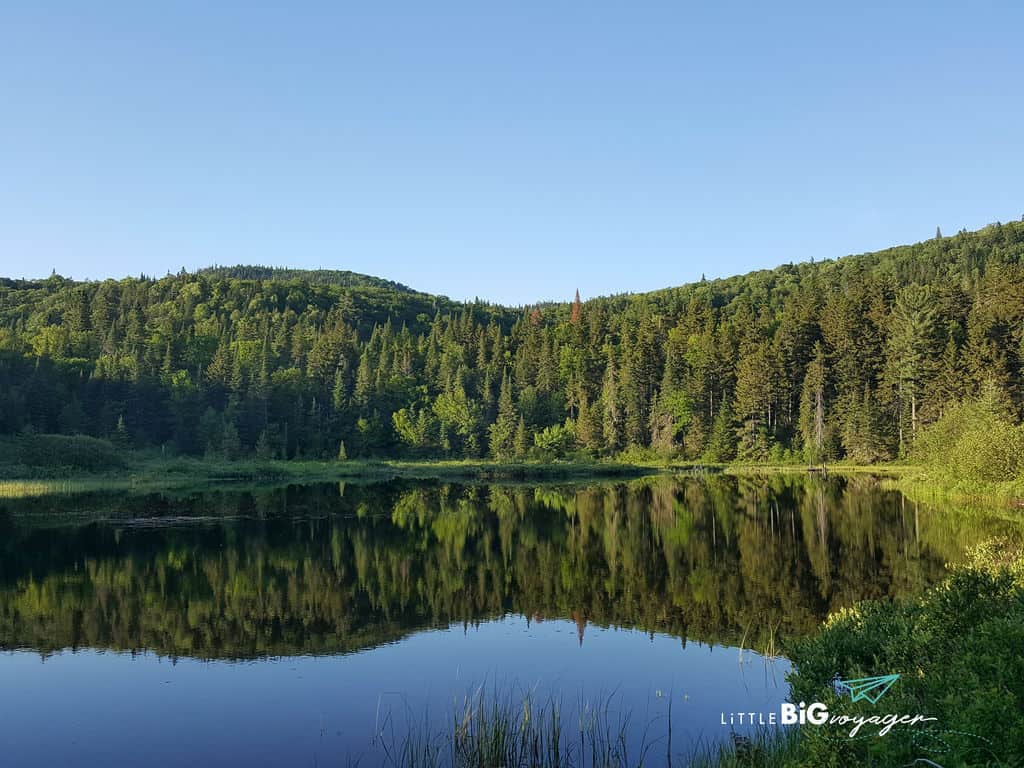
{"type": "Point", "coordinates": [942, 489]}
{"type": "Point", "coordinates": [147, 472]}
{"type": "Point", "coordinates": [36, 465]}
{"type": "Point", "coordinates": [767, 748]}
{"type": "Point", "coordinates": [517, 730]}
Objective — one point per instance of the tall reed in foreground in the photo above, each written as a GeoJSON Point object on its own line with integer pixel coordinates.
{"type": "Point", "coordinates": [486, 730]}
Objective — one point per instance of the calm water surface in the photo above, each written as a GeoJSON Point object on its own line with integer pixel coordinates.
{"type": "Point", "coordinates": [302, 626]}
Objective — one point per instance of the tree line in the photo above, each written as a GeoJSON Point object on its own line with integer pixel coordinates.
{"type": "Point", "coordinates": [822, 360]}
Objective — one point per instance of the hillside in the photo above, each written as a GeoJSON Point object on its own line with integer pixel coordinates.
{"type": "Point", "coordinates": [339, 277]}
{"type": "Point", "coordinates": [835, 359]}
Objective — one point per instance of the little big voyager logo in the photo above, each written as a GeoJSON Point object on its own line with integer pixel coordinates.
{"type": "Point", "coordinates": [870, 689]}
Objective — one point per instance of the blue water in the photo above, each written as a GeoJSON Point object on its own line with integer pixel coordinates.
{"type": "Point", "coordinates": [316, 625]}
{"type": "Point", "coordinates": [91, 708]}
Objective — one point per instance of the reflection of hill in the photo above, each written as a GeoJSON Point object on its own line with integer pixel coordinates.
{"type": "Point", "coordinates": [312, 570]}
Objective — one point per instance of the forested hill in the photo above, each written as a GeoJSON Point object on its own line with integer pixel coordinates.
{"type": "Point", "coordinates": [339, 277]}
{"type": "Point", "coordinates": [844, 358]}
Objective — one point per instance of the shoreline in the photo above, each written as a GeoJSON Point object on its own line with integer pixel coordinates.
{"type": "Point", "coordinates": [146, 473]}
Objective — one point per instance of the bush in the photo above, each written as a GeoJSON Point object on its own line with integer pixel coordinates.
{"type": "Point", "coordinates": [638, 454]}
{"type": "Point", "coordinates": [958, 650]}
{"type": "Point", "coordinates": [992, 454]}
{"type": "Point", "coordinates": [556, 440]}
{"type": "Point", "coordinates": [976, 441]}
{"type": "Point", "coordinates": [61, 451]}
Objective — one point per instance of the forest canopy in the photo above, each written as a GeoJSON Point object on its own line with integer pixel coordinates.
{"type": "Point", "coordinates": [842, 359]}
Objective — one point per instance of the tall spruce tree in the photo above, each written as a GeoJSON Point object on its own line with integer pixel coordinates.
{"type": "Point", "coordinates": [812, 408]}
{"type": "Point", "coordinates": [503, 431]}
{"type": "Point", "coordinates": [911, 350]}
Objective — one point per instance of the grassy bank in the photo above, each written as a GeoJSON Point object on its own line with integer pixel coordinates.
{"type": "Point", "coordinates": [888, 468]}
{"type": "Point", "coordinates": [41, 464]}
{"type": "Point", "coordinates": [32, 465]}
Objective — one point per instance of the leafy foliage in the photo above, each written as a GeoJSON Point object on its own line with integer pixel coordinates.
{"type": "Point", "coordinates": [957, 649]}
{"type": "Point", "coordinates": [975, 442]}
{"type": "Point", "coordinates": [57, 452]}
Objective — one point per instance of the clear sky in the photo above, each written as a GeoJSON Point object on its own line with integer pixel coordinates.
{"type": "Point", "coordinates": [511, 151]}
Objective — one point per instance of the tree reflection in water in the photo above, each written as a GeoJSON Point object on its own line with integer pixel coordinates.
{"type": "Point", "coordinates": [333, 569]}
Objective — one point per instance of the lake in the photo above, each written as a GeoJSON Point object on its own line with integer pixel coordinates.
{"type": "Point", "coordinates": [315, 625]}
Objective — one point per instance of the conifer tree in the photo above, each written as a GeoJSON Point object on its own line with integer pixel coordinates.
{"type": "Point", "coordinates": [521, 440]}
{"type": "Point", "coordinates": [589, 429]}
{"type": "Point", "coordinates": [812, 408]}
{"type": "Point", "coordinates": [722, 441]}
{"type": "Point", "coordinates": [502, 431]}
{"type": "Point", "coordinates": [613, 424]}
{"type": "Point", "coordinates": [910, 352]}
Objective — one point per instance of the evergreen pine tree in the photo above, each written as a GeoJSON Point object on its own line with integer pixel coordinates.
{"type": "Point", "coordinates": [812, 408]}
{"type": "Point", "coordinates": [502, 431]}
{"type": "Point", "coordinates": [722, 441]}
{"type": "Point", "coordinates": [520, 442]}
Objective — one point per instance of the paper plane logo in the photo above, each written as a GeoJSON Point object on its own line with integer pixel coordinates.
{"type": "Point", "coordinates": [870, 688]}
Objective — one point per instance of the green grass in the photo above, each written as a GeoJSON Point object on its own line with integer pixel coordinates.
{"type": "Point", "coordinates": [151, 473]}
{"type": "Point", "coordinates": [888, 468]}
{"type": "Point", "coordinates": [27, 470]}
{"type": "Point", "coordinates": [33, 465]}
{"type": "Point", "coordinates": [768, 749]}
{"type": "Point", "coordinates": [488, 729]}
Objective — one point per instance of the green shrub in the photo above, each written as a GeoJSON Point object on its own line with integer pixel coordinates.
{"type": "Point", "coordinates": [958, 649]}
{"type": "Point", "coordinates": [61, 451]}
{"type": "Point", "coordinates": [993, 453]}
{"type": "Point", "coordinates": [638, 454]}
{"type": "Point", "coordinates": [976, 441]}
{"type": "Point", "coordinates": [556, 440]}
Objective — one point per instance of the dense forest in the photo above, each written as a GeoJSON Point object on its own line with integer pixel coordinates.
{"type": "Point", "coordinates": [846, 358]}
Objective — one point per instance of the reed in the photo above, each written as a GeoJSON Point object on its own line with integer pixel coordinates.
{"type": "Point", "coordinates": [488, 729]}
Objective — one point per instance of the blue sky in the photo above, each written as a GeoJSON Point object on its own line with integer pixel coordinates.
{"type": "Point", "coordinates": [513, 152]}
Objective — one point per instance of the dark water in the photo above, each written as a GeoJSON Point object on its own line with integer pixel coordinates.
{"type": "Point", "coordinates": [294, 626]}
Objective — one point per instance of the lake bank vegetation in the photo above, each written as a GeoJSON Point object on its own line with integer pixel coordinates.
{"type": "Point", "coordinates": [974, 452]}
{"type": "Point", "coordinates": [40, 464]}
{"type": "Point", "coordinates": [33, 464]}
{"type": "Point", "coordinates": [957, 647]}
